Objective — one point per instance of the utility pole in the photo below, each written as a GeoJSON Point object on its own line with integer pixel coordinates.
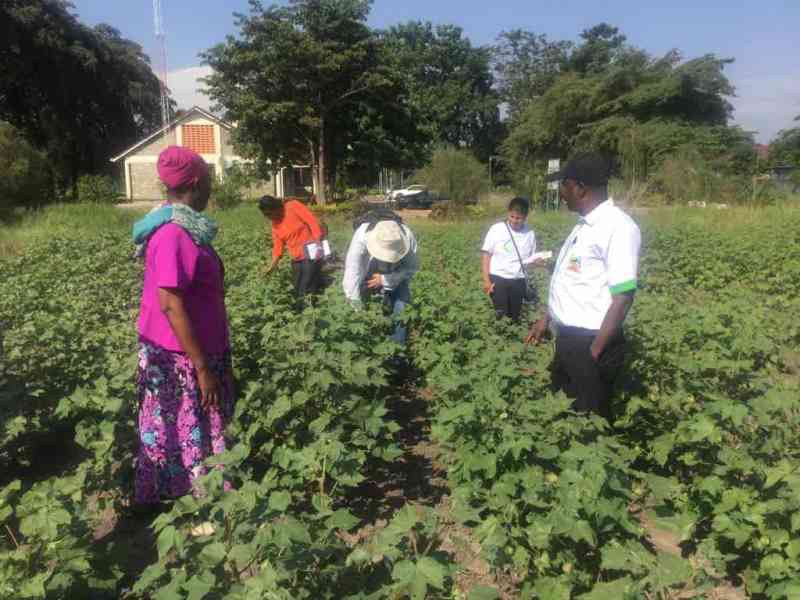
{"type": "Point", "coordinates": [161, 38]}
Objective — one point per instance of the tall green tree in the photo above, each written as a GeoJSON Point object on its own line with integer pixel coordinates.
{"type": "Point", "coordinates": [451, 84]}
{"type": "Point", "coordinates": [77, 92]}
{"type": "Point", "coordinates": [25, 177]}
{"type": "Point", "coordinates": [600, 47]}
{"type": "Point", "coordinates": [527, 65]}
{"type": "Point", "coordinates": [619, 99]}
{"type": "Point", "coordinates": [304, 78]}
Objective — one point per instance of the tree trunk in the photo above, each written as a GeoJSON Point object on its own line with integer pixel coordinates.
{"type": "Point", "coordinates": [322, 198]}
{"type": "Point", "coordinates": [312, 152]}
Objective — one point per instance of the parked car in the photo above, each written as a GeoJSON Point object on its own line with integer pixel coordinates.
{"type": "Point", "coordinates": [412, 196]}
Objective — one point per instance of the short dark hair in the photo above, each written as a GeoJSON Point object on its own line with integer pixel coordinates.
{"type": "Point", "coordinates": [520, 205]}
{"type": "Point", "coordinates": [270, 204]}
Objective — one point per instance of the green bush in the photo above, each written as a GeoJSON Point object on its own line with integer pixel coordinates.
{"type": "Point", "coordinates": [455, 175]}
{"type": "Point", "coordinates": [97, 189]}
{"type": "Point", "coordinates": [26, 175]}
{"type": "Point", "coordinates": [231, 191]}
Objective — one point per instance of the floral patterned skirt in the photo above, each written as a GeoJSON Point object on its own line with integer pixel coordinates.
{"type": "Point", "coordinates": [175, 434]}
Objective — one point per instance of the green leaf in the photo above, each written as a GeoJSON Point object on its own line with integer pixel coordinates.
{"type": "Point", "coordinates": [279, 408]}
{"type": "Point", "coordinates": [33, 587]}
{"type": "Point", "coordinates": [434, 571]}
{"type": "Point", "coordinates": [166, 540]}
{"type": "Point", "coordinates": [200, 585]}
{"type": "Point", "coordinates": [670, 570]}
{"type": "Point", "coordinates": [242, 555]}
{"type": "Point", "coordinates": [280, 501]}
{"type": "Point", "coordinates": [661, 487]}
{"type": "Point", "coordinates": [404, 571]}
{"type": "Point", "coordinates": [777, 473]}
{"type": "Point", "coordinates": [406, 518]}
{"type": "Point", "coordinates": [149, 576]}
{"type": "Point", "coordinates": [795, 522]}
{"type": "Point", "coordinates": [213, 554]}
{"type": "Point", "coordinates": [630, 556]}
{"type": "Point", "coordinates": [607, 590]}
{"type": "Point", "coordinates": [343, 519]}
{"type": "Point", "coordinates": [295, 531]}
{"type": "Point", "coordinates": [482, 592]}
{"type": "Point", "coordinates": [581, 530]}
{"type": "Point", "coordinates": [186, 505]}
{"type": "Point", "coordinates": [550, 588]}
{"type": "Point", "coordinates": [681, 523]}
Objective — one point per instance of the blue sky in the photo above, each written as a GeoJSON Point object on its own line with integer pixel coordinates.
{"type": "Point", "coordinates": [763, 36]}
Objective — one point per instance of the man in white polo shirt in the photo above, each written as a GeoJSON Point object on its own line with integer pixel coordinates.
{"type": "Point", "coordinates": [592, 287]}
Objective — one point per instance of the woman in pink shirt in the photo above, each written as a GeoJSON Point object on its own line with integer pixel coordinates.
{"type": "Point", "coordinates": [185, 380]}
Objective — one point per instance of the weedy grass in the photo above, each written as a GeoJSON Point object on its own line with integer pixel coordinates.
{"type": "Point", "coordinates": [60, 220]}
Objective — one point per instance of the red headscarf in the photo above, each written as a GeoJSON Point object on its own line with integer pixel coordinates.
{"type": "Point", "coordinates": [180, 167]}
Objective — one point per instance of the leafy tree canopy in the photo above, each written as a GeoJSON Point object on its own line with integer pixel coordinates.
{"type": "Point", "coordinates": [311, 82]}
{"type": "Point", "coordinates": [613, 97]}
{"type": "Point", "coordinates": [527, 64]}
{"type": "Point", "coordinates": [450, 83]}
{"type": "Point", "coordinates": [79, 93]}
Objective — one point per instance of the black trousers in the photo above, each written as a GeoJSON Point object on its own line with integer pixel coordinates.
{"type": "Point", "coordinates": [507, 296]}
{"type": "Point", "coordinates": [307, 277]}
{"type": "Point", "coordinates": [588, 381]}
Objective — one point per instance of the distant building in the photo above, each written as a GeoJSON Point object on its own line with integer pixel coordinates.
{"type": "Point", "coordinates": [210, 137]}
{"type": "Point", "coordinates": [762, 151]}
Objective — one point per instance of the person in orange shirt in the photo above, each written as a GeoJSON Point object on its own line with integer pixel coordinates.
{"type": "Point", "coordinates": [296, 229]}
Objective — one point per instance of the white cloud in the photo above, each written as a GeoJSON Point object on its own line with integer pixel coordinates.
{"type": "Point", "coordinates": [766, 104]}
{"type": "Point", "coordinates": [185, 87]}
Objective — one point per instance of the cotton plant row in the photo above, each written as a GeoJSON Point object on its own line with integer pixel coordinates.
{"type": "Point", "coordinates": [704, 444]}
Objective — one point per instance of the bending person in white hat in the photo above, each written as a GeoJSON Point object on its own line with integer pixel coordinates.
{"type": "Point", "coordinates": [382, 259]}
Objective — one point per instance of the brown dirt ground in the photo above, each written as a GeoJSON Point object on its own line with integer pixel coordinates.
{"type": "Point", "coordinates": [420, 477]}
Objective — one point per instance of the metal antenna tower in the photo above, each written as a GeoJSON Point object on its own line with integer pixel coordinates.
{"type": "Point", "coordinates": [158, 21]}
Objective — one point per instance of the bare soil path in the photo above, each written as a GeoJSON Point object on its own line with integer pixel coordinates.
{"type": "Point", "coordinates": [419, 477]}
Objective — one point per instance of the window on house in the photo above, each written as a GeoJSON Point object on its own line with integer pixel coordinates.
{"type": "Point", "coordinates": [199, 138]}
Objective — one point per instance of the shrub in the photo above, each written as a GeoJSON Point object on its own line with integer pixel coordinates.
{"type": "Point", "coordinates": [97, 189]}
{"type": "Point", "coordinates": [340, 208]}
{"type": "Point", "coordinates": [232, 190]}
{"type": "Point", "coordinates": [455, 174]}
{"type": "Point", "coordinates": [26, 175]}
{"type": "Point", "coordinates": [453, 211]}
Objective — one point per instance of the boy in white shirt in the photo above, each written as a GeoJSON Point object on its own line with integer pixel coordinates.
{"type": "Point", "coordinates": [507, 249]}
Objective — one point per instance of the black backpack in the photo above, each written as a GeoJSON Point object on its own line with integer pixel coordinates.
{"type": "Point", "coordinates": [375, 216]}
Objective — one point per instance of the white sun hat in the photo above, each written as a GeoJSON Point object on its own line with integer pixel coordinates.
{"type": "Point", "coordinates": [388, 242]}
